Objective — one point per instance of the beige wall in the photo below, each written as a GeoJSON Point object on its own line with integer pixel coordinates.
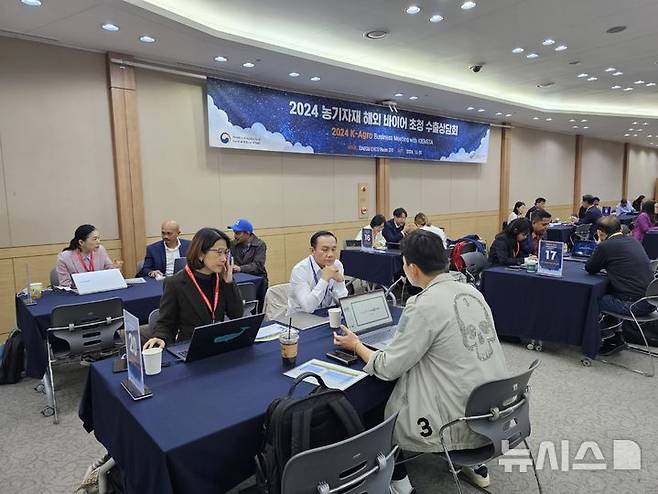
{"type": "Point", "coordinates": [541, 165]}
{"type": "Point", "coordinates": [603, 168]}
{"type": "Point", "coordinates": [56, 145]}
{"type": "Point", "coordinates": [642, 171]}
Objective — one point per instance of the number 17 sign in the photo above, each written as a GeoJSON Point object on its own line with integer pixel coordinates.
{"type": "Point", "coordinates": [550, 258]}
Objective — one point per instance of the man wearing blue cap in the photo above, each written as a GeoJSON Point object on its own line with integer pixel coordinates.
{"type": "Point", "coordinates": [247, 249]}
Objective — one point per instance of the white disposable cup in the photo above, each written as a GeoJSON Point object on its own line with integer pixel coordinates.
{"type": "Point", "coordinates": [152, 360]}
{"type": "Point", "coordinates": [334, 318]}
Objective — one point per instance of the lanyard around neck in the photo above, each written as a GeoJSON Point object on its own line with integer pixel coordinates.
{"type": "Point", "coordinates": [315, 278]}
{"type": "Point", "coordinates": [212, 308]}
{"type": "Point", "coordinates": [86, 267]}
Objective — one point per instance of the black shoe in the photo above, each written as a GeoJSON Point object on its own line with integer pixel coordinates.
{"type": "Point", "coordinates": [612, 345]}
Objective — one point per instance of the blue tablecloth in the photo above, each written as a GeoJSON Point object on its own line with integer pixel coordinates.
{"type": "Point", "coordinates": [201, 429]}
{"type": "Point", "coordinates": [650, 243]}
{"type": "Point", "coordinates": [560, 233]}
{"type": "Point", "coordinates": [376, 266]}
{"type": "Point", "coordinates": [139, 300]}
{"type": "Point", "coordinates": [563, 310]}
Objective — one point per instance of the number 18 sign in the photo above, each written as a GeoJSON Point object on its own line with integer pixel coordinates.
{"type": "Point", "coordinates": [550, 258]}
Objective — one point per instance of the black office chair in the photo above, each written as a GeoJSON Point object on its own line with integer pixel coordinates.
{"type": "Point", "coordinates": [179, 264]}
{"type": "Point", "coordinates": [249, 297]}
{"type": "Point", "coordinates": [650, 297]}
{"type": "Point", "coordinates": [362, 464]}
{"type": "Point", "coordinates": [80, 330]}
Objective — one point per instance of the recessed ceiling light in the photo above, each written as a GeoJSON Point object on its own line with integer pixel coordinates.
{"type": "Point", "coordinates": [639, 130]}
{"type": "Point", "coordinates": [518, 50]}
{"type": "Point", "coordinates": [480, 110]}
{"type": "Point", "coordinates": [398, 95]}
{"type": "Point", "coordinates": [294, 74]}
{"type": "Point", "coordinates": [220, 58]}
{"type": "Point", "coordinates": [631, 130]}
{"type": "Point", "coordinates": [147, 39]}
{"type": "Point", "coordinates": [610, 69]}
{"type": "Point", "coordinates": [436, 18]}
{"type": "Point", "coordinates": [561, 48]}
{"type": "Point", "coordinates": [635, 123]}
{"type": "Point", "coordinates": [574, 126]}
{"type": "Point", "coordinates": [248, 65]}
{"type": "Point", "coordinates": [412, 9]}
{"type": "Point", "coordinates": [634, 135]}
{"type": "Point", "coordinates": [108, 26]}
{"type": "Point", "coordinates": [548, 42]}
{"type": "Point", "coordinates": [626, 135]}
{"type": "Point", "coordinates": [592, 78]}
{"type": "Point", "coordinates": [580, 76]}
{"type": "Point", "coordinates": [468, 5]}
{"type": "Point", "coordinates": [549, 119]}
{"type": "Point", "coordinates": [535, 118]}
{"type": "Point", "coordinates": [650, 135]}
{"type": "Point", "coordinates": [586, 127]}
{"type": "Point", "coordinates": [640, 82]}
{"type": "Point", "coordinates": [651, 84]}
{"type": "Point", "coordinates": [615, 87]}
{"type": "Point", "coordinates": [413, 97]}
{"type": "Point", "coordinates": [619, 72]}
{"type": "Point", "coordinates": [508, 114]}
{"type": "Point", "coordinates": [31, 3]}
{"type": "Point", "coordinates": [628, 89]}
{"type": "Point", "coordinates": [645, 123]}
{"type": "Point", "coordinates": [376, 34]}
{"type": "Point", "coordinates": [615, 29]}
{"type": "Point", "coordinates": [584, 120]}
{"type": "Point", "coordinates": [532, 55]}
{"type": "Point", "coordinates": [572, 120]}
{"type": "Point", "coordinates": [499, 113]}
{"type": "Point", "coordinates": [470, 108]}
{"type": "Point", "coordinates": [315, 78]}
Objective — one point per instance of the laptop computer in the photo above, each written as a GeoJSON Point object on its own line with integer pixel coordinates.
{"type": "Point", "coordinates": [393, 245]}
{"type": "Point", "coordinates": [582, 250]}
{"type": "Point", "coordinates": [98, 281]}
{"type": "Point", "coordinates": [606, 210]}
{"type": "Point", "coordinates": [219, 337]}
{"type": "Point", "coordinates": [352, 245]}
{"type": "Point", "coordinates": [369, 316]}
{"type": "Point", "coordinates": [301, 320]}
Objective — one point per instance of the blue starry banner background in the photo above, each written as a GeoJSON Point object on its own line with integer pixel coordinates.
{"type": "Point", "coordinates": [242, 116]}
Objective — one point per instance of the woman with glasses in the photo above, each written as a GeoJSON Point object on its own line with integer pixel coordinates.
{"type": "Point", "coordinates": [200, 294]}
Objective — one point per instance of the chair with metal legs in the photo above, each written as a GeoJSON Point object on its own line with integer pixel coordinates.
{"type": "Point", "coordinates": [650, 297]}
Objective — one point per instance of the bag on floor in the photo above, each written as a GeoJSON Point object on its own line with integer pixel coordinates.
{"type": "Point", "coordinates": [293, 425]}
{"type": "Point", "coordinates": [13, 358]}
{"type": "Point", "coordinates": [632, 335]}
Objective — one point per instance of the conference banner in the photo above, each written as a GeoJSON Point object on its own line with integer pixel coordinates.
{"type": "Point", "coordinates": [242, 116]}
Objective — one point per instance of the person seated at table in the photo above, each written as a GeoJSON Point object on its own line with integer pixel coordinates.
{"type": "Point", "coordinates": [540, 203]}
{"type": "Point", "coordinates": [317, 281]}
{"type": "Point", "coordinates": [629, 274]}
{"type": "Point", "coordinates": [394, 229]}
{"type": "Point", "coordinates": [645, 221]}
{"type": "Point", "coordinates": [201, 293]}
{"type": "Point", "coordinates": [517, 212]}
{"type": "Point", "coordinates": [506, 249]}
{"type": "Point", "coordinates": [624, 207]}
{"type": "Point", "coordinates": [249, 252]}
{"type": "Point", "coordinates": [446, 342]}
{"type": "Point", "coordinates": [377, 226]}
{"type": "Point", "coordinates": [584, 205]}
{"type": "Point", "coordinates": [637, 203]}
{"type": "Point", "coordinates": [539, 224]}
{"type": "Point", "coordinates": [161, 255]}
{"type": "Point", "coordinates": [83, 254]}
{"type": "Point", "coordinates": [423, 222]}
{"type": "Point", "coordinates": [597, 202]}
{"type": "Point", "coordinates": [591, 216]}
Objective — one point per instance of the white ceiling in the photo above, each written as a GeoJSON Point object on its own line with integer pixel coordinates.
{"type": "Point", "coordinates": [325, 38]}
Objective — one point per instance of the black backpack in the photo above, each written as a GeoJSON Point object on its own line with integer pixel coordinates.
{"type": "Point", "coordinates": [13, 358]}
{"type": "Point", "coordinates": [293, 425]}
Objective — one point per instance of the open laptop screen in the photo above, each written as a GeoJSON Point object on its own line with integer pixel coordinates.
{"type": "Point", "coordinates": [583, 248]}
{"type": "Point", "coordinates": [363, 312]}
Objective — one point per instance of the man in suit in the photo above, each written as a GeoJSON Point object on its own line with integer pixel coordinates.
{"type": "Point", "coordinates": [160, 256]}
{"type": "Point", "coordinates": [591, 216]}
{"type": "Point", "coordinates": [540, 205]}
{"type": "Point", "coordinates": [394, 228]}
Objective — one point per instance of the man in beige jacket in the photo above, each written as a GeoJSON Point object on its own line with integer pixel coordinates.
{"type": "Point", "coordinates": [445, 346]}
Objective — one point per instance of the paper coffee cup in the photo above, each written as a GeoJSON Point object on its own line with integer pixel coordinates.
{"type": "Point", "coordinates": [152, 360]}
{"type": "Point", "coordinates": [334, 318]}
{"type": "Point", "coordinates": [36, 289]}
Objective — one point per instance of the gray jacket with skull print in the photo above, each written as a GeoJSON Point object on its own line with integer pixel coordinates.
{"type": "Point", "coordinates": [446, 345]}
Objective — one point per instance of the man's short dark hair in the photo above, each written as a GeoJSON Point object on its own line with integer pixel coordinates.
{"type": "Point", "coordinates": [586, 196]}
{"type": "Point", "coordinates": [608, 225]}
{"type": "Point", "coordinates": [539, 199]}
{"type": "Point", "coordinates": [377, 220]}
{"type": "Point", "coordinates": [596, 199]}
{"type": "Point", "coordinates": [539, 215]}
{"type": "Point", "coordinates": [588, 199]}
{"type": "Point", "coordinates": [399, 212]}
{"type": "Point", "coordinates": [321, 233]}
{"type": "Point", "coordinates": [425, 250]}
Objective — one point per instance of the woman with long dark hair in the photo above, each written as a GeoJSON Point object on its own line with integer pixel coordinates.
{"type": "Point", "coordinates": [645, 221]}
{"type": "Point", "coordinates": [200, 294]}
{"type": "Point", "coordinates": [84, 253]}
{"type": "Point", "coordinates": [637, 203]}
{"type": "Point", "coordinates": [518, 212]}
{"type": "Point", "coordinates": [506, 249]}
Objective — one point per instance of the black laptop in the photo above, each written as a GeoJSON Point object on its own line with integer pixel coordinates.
{"type": "Point", "coordinates": [219, 337]}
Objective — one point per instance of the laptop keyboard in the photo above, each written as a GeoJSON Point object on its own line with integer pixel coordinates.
{"type": "Point", "coordinates": [379, 336]}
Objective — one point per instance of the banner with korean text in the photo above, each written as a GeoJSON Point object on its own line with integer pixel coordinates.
{"type": "Point", "coordinates": [243, 116]}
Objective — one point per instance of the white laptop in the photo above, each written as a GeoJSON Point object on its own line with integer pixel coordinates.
{"type": "Point", "coordinates": [98, 281]}
{"type": "Point", "coordinates": [369, 316]}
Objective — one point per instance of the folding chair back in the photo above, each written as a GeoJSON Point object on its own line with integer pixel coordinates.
{"type": "Point", "coordinates": [276, 301]}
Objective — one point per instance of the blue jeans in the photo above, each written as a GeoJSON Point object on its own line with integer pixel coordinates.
{"type": "Point", "coordinates": [614, 304]}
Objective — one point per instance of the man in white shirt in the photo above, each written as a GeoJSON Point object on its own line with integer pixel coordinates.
{"type": "Point", "coordinates": [161, 255]}
{"type": "Point", "coordinates": [317, 281]}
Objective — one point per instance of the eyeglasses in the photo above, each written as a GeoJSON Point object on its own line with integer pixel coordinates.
{"type": "Point", "coordinates": [221, 252]}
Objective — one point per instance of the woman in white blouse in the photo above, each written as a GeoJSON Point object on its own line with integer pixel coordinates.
{"type": "Point", "coordinates": [517, 212]}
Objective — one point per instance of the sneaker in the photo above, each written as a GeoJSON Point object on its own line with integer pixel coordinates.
{"type": "Point", "coordinates": [402, 486]}
{"type": "Point", "coordinates": [478, 476]}
{"type": "Point", "coordinates": [612, 345]}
